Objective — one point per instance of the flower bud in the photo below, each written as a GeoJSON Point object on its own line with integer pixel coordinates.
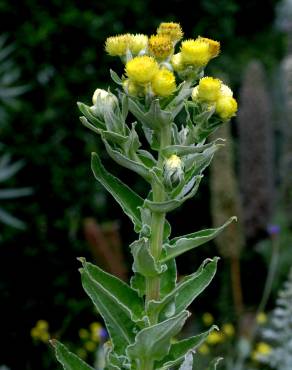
{"type": "Point", "coordinates": [226, 107]}
{"type": "Point", "coordinates": [103, 101]}
{"type": "Point", "coordinates": [209, 89]}
{"type": "Point", "coordinates": [160, 46]}
{"type": "Point", "coordinates": [195, 53]}
{"type": "Point", "coordinates": [173, 171]}
{"type": "Point", "coordinates": [170, 29]}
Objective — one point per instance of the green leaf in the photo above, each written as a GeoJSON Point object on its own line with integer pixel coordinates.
{"type": "Point", "coordinates": [196, 163]}
{"type": "Point", "coordinates": [126, 197]}
{"type": "Point", "coordinates": [68, 359]}
{"type": "Point", "coordinates": [122, 292]}
{"type": "Point", "coordinates": [85, 110]}
{"type": "Point", "coordinates": [172, 204]}
{"type": "Point", "coordinates": [153, 343]}
{"type": "Point", "coordinates": [124, 161]}
{"type": "Point", "coordinates": [115, 77]}
{"type": "Point", "coordinates": [180, 349]}
{"type": "Point", "coordinates": [186, 291]}
{"type": "Point", "coordinates": [168, 278]}
{"type": "Point", "coordinates": [144, 262]}
{"type": "Point", "coordinates": [182, 244]}
{"type": "Point", "coordinates": [188, 362]}
{"type": "Point", "coordinates": [138, 283]}
{"type": "Point", "coordinates": [176, 104]}
{"type": "Point", "coordinates": [182, 150]}
{"type": "Point", "coordinates": [214, 363]}
{"type": "Point", "coordinates": [120, 327]}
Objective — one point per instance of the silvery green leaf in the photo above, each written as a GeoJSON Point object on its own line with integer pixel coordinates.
{"type": "Point", "coordinates": [199, 161]}
{"type": "Point", "coordinates": [8, 170]}
{"type": "Point", "coordinates": [121, 328]}
{"type": "Point", "coordinates": [138, 283]}
{"type": "Point", "coordinates": [89, 125]}
{"type": "Point", "coordinates": [176, 104]}
{"type": "Point", "coordinates": [68, 359]}
{"type": "Point", "coordinates": [168, 278]}
{"type": "Point", "coordinates": [180, 349]}
{"type": "Point", "coordinates": [115, 77]}
{"type": "Point", "coordinates": [182, 244]}
{"type": "Point", "coordinates": [182, 150]}
{"type": "Point", "coordinates": [15, 193]}
{"type": "Point", "coordinates": [126, 197]}
{"type": "Point", "coordinates": [10, 220]}
{"type": "Point", "coordinates": [133, 143]}
{"type": "Point", "coordinates": [153, 343]}
{"type": "Point", "coordinates": [144, 262]}
{"type": "Point", "coordinates": [172, 204]}
{"type": "Point", "coordinates": [85, 110]}
{"type": "Point", "coordinates": [128, 298]}
{"type": "Point", "coordinates": [147, 158]}
{"type": "Point", "coordinates": [124, 161]}
{"type": "Point", "coordinates": [186, 290]}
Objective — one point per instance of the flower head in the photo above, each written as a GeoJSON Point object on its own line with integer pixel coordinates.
{"type": "Point", "coordinates": [262, 349]}
{"type": "Point", "coordinates": [117, 45]}
{"type": "Point", "coordinates": [163, 83]}
{"type": "Point", "coordinates": [171, 29]}
{"type": "Point", "coordinates": [195, 52]}
{"type": "Point", "coordinates": [214, 46]}
{"type": "Point", "coordinates": [160, 46]}
{"type": "Point", "coordinates": [142, 69]}
{"type": "Point", "coordinates": [208, 89]}
{"type": "Point", "coordinates": [138, 43]}
{"type": "Point", "coordinates": [226, 107]}
{"type": "Point", "coordinates": [204, 349]}
{"type": "Point", "coordinates": [228, 330]}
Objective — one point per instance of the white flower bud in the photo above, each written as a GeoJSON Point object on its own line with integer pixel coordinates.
{"type": "Point", "coordinates": [103, 101]}
{"type": "Point", "coordinates": [173, 171]}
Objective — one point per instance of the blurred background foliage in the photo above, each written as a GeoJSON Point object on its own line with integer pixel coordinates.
{"type": "Point", "coordinates": [58, 51]}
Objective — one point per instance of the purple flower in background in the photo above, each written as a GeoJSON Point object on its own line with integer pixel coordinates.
{"type": "Point", "coordinates": [103, 334]}
{"type": "Point", "coordinates": [273, 230]}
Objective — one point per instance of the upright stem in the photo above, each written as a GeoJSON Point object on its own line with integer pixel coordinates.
{"type": "Point", "coordinates": [157, 225]}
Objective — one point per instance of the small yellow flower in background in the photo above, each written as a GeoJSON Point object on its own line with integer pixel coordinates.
{"type": "Point", "coordinates": [90, 346]}
{"type": "Point", "coordinates": [214, 46]}
{"type": "Point", "coordinates": [160, 46]}
{"type": "Point", "coordinates": [171, 29]}
{"type": "Point", "coordinates": [204, 349]}
{"type": "Point", "coordinates": [207, 318]}
{"type": "Point", "coordinates": [226, 107]}
{"type": "Point", "coordinates": [163, 83]}
{"type": "Point", "coordinates": [117, 45]}
{"type": "Point", "coordinates": [261, 318]}
{"type": "Point", "coordinates": [176, 62]}
{"type": "Point", "coordinates": [138, 42]}
{"type": "Point", "coordinates": [195, 52]}
{"type": "Point", "coordinates": [228, 330]}
{"type": "Point", "coordinates": [209, 89]}
{"type": "Point", "coordinates": [95, 329]}
{"type": "Point", "coordinates": [40, 331]}
{"type": "Point", "coordinates": [142, 69]}
{"type": "Point", "coordinates": [83, 333]}
{"type": "Point", "coordinates": [215, 337]}
{"type": "Point", "coordinates": [262, 349]}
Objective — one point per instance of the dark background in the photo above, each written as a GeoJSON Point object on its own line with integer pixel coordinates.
{"type": "Point", "coordinates": [59, 50]}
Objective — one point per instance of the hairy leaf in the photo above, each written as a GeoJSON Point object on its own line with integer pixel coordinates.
{"type": "Point", "coordinates": [68, 359]}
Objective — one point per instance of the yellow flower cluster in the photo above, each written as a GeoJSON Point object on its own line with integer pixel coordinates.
{"type": "Point", "coordinates": [196, 53]}
{"type": "Point", "coordinates": [262, 349]}
{"type": "Point", "coordinates": [160, 46]}
{"type": "Point", "coordinates": [144, 70]}
{"type": "Point", "coordinates": [170, 29]}
{"type": "Point", "coordinates": [91, 338]}
{"type": "Point", "coordinates": [261, 318]}
{"type": "Point", "coordinates": [119, 45]}
{"type": "Point", "coordinates": [40, 331]}
{"type": "Point", "coordinates": [213, 92]}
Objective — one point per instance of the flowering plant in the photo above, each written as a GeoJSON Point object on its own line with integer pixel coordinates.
{"type": "Point", "coordinates": [142, 318]}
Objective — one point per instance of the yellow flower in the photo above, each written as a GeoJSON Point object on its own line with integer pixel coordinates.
{"type": "Point", "coordinates": [160, 46]}
{"type": "Point", "coordinates": [90, 346]}
{"type": "Point", "coordinates": [215, 337]}
{"type": "Point", "coordinates": [44, 336]}
{"type": "Point", "coordinates": [195, 52]}
{"type": "Point", "coordinates": [163, 83]}
{"type": "Point", "coordinates": [117, 45]}
{"type": "Point", "coordinates": [262, 349]}
{"type": "Point", "coordinates": [228, 329]}
{"type": "Point", "coordinates": [209, 89]}
{"type": "Point", "coordinates": [171, 29]}
{"type": "Point", "coordinates": [204, 349]}
{"type": "Point", "coordinates": [208, 319]}
{"type": "Point", "coordinates": [176, 62]}
{"type": "Point", "coordinates": [214, 46]}
{"type": "Point", "coordinates": [261, 318]}
{"type": "Point", "coordinates": [225, 90]}
{"type": "Point", "coordinates": [138, 43]}
{"type": "Point", "coordinates": [141, 69]}
{"type": "Point", "coordinates": [83, 333]}
{"type": "Point", "coordinates": [226, 107]}
{"type": "Point", "coordinates": [42, 325]}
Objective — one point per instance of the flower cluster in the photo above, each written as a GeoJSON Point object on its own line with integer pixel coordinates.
{"type": "Point", "coordinates": [152, 67]}
{"type": "Point", "coordinates": [40, 332]}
